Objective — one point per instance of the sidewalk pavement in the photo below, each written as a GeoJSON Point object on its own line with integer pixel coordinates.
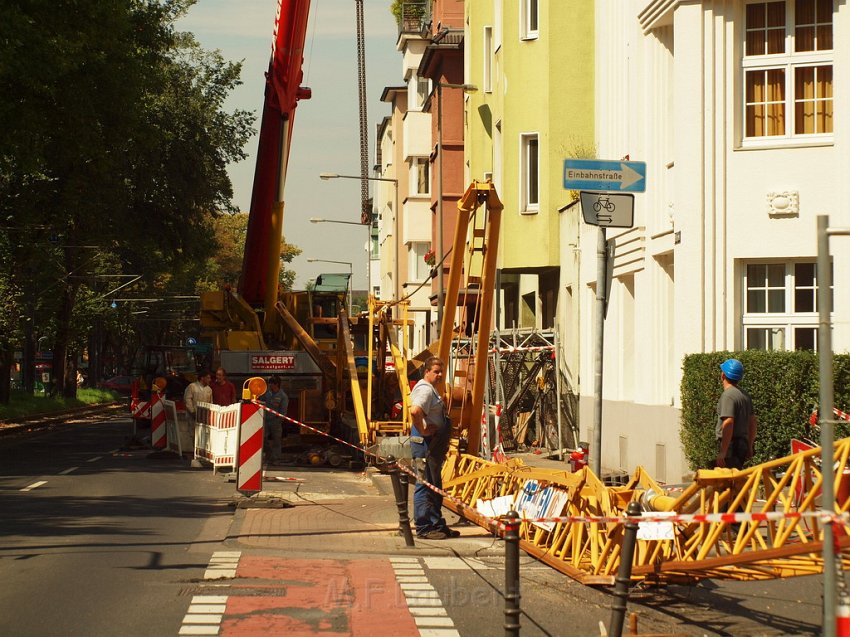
{"type": "Point", "coordinates": [342, 512]}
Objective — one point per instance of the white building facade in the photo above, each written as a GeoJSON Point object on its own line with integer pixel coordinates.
{"type": "Point", "coordinates": [405, 233]}
{"type": "Point", "coordinates": [741, 111]}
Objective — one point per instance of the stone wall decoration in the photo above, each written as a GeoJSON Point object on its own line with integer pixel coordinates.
{"type": "Point", "coordinates": [783, 204]}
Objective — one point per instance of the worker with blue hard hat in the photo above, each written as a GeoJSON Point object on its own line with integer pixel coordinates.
{"type": "Point", "coordinates": [736, 420]}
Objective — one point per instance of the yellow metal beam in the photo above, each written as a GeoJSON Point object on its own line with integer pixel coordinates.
{"type": "Point", "coordinates": [588, 550]}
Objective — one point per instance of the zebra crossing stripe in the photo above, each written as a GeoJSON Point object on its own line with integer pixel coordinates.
{"type": "Point", "coordinates": [423, 601]}
{"type": "Point", "coordinates": [204, 615]}
{"type": "Point", "coordinates": [222, 565]}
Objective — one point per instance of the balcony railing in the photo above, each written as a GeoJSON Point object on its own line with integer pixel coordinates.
{"type": "Point", "coordinates": [412, 16]}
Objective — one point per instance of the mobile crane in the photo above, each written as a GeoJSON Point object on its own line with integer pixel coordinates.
{"type": "Point", "coordinates": [306, 337]}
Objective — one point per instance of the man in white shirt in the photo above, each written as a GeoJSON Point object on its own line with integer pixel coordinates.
{"type": "Point", "coordinates": [198, 392]}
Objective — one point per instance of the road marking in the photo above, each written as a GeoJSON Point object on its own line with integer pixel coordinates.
{"type": "Point", "coordinates": [204, 615]}
{"type": "Point", "coordinates": [455, 563]}
{"type": "Point", "coordinates": [34, 485]}
{"type": "Point", "coordinates": [95, 459]}
{"type": "Point", "coordinates": [222, 565]}
{"type": "Point", "coordinates": [423, 602]}
{"type": "Point", "coordinates": [67, 471]}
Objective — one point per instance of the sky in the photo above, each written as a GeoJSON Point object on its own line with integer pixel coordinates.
{"type": "Point", "coordinates": [325, 136]}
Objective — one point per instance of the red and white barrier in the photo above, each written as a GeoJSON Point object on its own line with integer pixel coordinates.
{"type": "Point", "coordinates": [141, 409]}
{"type": "Point", "coordinates": [842, 617]}
{"type": "Point", "coordinates": [249, 474]}
{"type": "Point", "coordinates": [157, 417]}
{"type": "Point", "coordinates": [216, 434]}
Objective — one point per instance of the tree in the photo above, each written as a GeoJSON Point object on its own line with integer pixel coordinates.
{"type": "Point", "coordinates": [120, 141]}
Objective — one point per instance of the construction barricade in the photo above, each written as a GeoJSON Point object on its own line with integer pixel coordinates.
{"type": "Point", "coordinates": [172, 433]}
{"type": "Point", "coordinates": [216, 434]}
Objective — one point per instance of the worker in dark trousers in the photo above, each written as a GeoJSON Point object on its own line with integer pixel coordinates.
{"type": "Point", "coordinates": [429, 442]}
{"type": "Point", "coordinates": [736, 422]}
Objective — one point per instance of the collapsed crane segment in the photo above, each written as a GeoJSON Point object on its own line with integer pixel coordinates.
{"type": "Point", "coordinates": [783, 536]}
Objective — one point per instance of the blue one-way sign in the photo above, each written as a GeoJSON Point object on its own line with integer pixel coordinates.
{"type": "Point", "coordinates": [609, 175]}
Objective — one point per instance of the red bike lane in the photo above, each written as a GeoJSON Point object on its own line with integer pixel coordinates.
{"type": "Point", "coordinates": [306, 597]}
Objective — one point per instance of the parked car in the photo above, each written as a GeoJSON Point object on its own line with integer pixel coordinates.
{"type": "Point", "coordinates": [119, 384]}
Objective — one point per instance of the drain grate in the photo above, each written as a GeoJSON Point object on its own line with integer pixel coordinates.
{"type": "Point", "coordinates": [232, 591]}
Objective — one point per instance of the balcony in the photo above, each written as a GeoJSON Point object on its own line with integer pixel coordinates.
{"type": "Point", "coordinates": [412, 16]}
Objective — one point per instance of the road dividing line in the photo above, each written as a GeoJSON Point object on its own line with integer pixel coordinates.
{"type": "Point", "coordinates": [95, 459]}
{"type": "Point", "coordinates": [34, 485]}
{"type": "Point", "coordinates": [423, 601]}
{"type": "Point", "coordinates": [67, 471]}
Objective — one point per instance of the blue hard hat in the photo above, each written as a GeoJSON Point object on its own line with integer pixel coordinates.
{"type": "Point", "coordinates": [733, 369]}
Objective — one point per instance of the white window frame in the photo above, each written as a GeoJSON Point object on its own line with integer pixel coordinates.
{"type": "Point", "coordinates": [529, 19]}
{"type": "Point", "coordinates": [529, 173]}
{"type": "Point", "coordinates": [780, 326]}
{"type": "Point", "coordinates": [417, 269]}
{"type": "Point", "coordinates": [788, 61]}
{"type": "Point", "coordinates": [418, 164]}
{"type": "Point", "coordinates": [487, 70]}
{"type": "Point", "coordinates": [418, 90]}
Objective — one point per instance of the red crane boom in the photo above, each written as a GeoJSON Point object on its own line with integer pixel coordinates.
{"type": "Point", "coordinates": [261, 262]}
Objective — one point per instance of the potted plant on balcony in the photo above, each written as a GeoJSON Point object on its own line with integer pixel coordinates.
{"type": "Point", "coordinates": [409, 13]}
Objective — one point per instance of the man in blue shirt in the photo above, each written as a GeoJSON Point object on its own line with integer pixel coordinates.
{"type": "Point", "coordinates": [274, 398]}
{"type": "Point", "coordinates": [429, 442]}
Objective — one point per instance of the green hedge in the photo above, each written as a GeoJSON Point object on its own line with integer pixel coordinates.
{"type": "Point", "coordinates": [784, 387]}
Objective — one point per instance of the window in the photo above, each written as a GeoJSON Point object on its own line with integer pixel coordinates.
{"type": "Point", "coordinates": [417, 269]}
{"type": "Point", "coordinates": [530, 162]}
{"type": "Point", "coordinates": [528, 19]}
{"type": "Point", "coordinates": [488, 59]}
{"type": "Point", "coordinates": [788, 69]}
{"type": "Point", "coordinates": [418, 90]}
{"type": "Point", "coordinates": [420, 176]}
{"type": "Point", "coordinates": [780, 306]}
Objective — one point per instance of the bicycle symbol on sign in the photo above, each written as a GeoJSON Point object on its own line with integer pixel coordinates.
{"type": "Point", "coordinates": [603, 202]}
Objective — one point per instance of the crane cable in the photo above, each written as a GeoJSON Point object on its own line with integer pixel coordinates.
{"type": "Point", "coordinates": [365, 206]}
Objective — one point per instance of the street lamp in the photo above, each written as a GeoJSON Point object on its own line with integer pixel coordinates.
{"type": "Point", "coordinates": [350, 278]}
{"type": "Point", "coordinates": [396, 291]}
{"type": "Point", "coordinates": [466, 88]}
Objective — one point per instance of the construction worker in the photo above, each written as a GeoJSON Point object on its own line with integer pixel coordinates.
{"type": "Point", "coordinates": [429, 443]}
{"type": "Point", "coordinates": [223, 391]}
{"type": "Point", "coordinates": [198, 392]}
{"type": "Point", "coordinates": [274, 398]}
{"type": "Point", "coordinates": [736, 422]}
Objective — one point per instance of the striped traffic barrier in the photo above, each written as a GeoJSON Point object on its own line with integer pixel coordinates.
{"type": "Point", "coordinates": [141, 410]}
{"type": "Point", "coordinates": [249, 472]}
{"type": "Point", "coordinates": [842, 617]}
{"type": "Point", "coordinates": [159, 439]}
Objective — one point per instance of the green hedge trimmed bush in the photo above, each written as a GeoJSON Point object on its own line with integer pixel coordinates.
{"type": "Point", "coordinates": [784, 387]}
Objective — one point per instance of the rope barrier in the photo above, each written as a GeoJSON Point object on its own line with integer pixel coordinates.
{"type": "Point", "coordinates": [825, 517]}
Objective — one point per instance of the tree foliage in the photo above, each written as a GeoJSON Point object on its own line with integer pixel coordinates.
{"type": "Point", "coordinates": [784, 387]}
{"type": "Point", "coordinates": [112, 163]}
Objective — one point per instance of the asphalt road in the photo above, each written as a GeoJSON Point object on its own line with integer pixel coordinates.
{"type": "Point", "coordinates": [95, 541]}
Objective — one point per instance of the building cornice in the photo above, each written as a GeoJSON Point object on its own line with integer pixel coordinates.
{"type": "Point", "coordinates": [445, 40]}
{"type": "Point", "coordinates": [390, 92]}
{"type": "Point", "coordinates": [659, 13]}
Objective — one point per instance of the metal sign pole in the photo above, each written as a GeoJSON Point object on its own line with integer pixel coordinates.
{"type": "Point", "coordinates": [826, 425]}
{"type": "Point", "coordinates": [601, 293]}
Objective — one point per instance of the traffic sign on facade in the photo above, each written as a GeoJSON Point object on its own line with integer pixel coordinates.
{"type": "Point", "coordinates": [599, 174]}
{"type": "Point", "coordinates": [608, 210]}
